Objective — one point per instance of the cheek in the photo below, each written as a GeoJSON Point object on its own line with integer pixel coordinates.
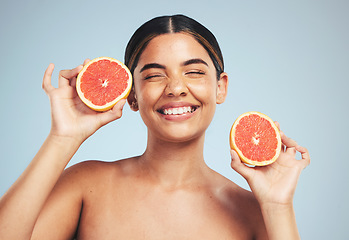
{"type": "Point", "coordinates": [205, 91]}
{"type": "Point", "coordinates": [148, 94]}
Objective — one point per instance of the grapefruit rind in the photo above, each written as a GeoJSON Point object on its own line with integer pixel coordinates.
{"type": "Point", "coordinates": [239, 152]}
{"type": "Point", "coordinates": [110, 104]}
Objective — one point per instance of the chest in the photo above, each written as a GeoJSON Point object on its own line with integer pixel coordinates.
{"type": "Point", "coordinates": [149, 214]}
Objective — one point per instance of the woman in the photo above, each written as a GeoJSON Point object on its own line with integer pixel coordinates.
{"type": "Point", "coordinates": [168, 192]}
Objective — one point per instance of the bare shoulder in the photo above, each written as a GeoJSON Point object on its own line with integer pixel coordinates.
{"type": "Point", "coordinates": [241, 205]}
{"type": "Point", "coordinates": [78, 183]}
{"type": "Point", "coordinates": [96, 171]}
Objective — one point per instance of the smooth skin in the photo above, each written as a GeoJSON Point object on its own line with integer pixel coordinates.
{"type": "Point", "coordinates": [166, 193]}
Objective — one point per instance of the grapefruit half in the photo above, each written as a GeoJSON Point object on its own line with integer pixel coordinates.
{"type": "Point", "coordinates": [256, 139]}
{"type": "Point", "coordinates": [103, 82]}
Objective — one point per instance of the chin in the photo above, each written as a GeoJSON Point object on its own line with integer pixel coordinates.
{"type": "Point", "coordinates": [181, 136]}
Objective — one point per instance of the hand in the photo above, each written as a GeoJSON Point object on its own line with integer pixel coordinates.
{"type": "Point", "coordinates": [275, 183]}
{"type": "Point", "coordinates": [70, 116]}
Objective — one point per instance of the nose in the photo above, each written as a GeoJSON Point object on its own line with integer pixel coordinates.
{"type": "Point", "coordinates": [176, 87]}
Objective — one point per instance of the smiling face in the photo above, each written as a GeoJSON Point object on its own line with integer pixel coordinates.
{"type": "Point", "coordinates": [176, 87]}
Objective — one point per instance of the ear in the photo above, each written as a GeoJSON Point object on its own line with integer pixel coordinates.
{"type": "Point", "coordinates": [222, 88]}
{"type": "Point", "coordinates": [132, 100]}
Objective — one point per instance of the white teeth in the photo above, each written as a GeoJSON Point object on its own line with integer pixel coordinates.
{"type": "Point", "coordinates": [177, 111]}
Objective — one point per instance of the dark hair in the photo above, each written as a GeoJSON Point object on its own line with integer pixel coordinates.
{"type": "Point", "coordinates": [172, 24]}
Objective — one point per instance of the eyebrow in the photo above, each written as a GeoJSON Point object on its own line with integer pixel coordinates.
{"type": "Point", "coordinates": [152, 65]}
{"type": "Point", "coordinates": [194, 61]}
{"type": "Point", "coordinates": [185, 63]}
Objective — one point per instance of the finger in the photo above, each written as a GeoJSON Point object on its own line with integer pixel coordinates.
{"type": "Point", "coordinates": [73, 80]}
{"type": "Point", "coordinates": [291, 150]}
{"type": "Point", "coordinates": [283, 147]}
{"type": "Point", "coordinates": [288, 142]}
{"type": "Point", "coordinates": [66, 76]}
{"type": "Point", "coordinates": [46, 83]}
{"type": "Point", "coordinates": [239, 166]}
{"type": "Point", "coordinates": [113, 114]}
{"type": "Point", "coordinates": [86, 61]}
{"type": "Point", "coordinates": [277, 125]}
{"type": "Point", "coordinates": [305, 155]}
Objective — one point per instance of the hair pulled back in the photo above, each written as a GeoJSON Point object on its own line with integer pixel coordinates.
{"type": "Point", "coordinates": [172, 24]}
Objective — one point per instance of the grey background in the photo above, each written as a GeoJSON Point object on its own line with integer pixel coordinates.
{"type": "Point", "coordinates": [288, 59]}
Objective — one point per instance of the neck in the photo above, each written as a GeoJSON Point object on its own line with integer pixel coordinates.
{"type": "Point", "coordinates": [174, 164]}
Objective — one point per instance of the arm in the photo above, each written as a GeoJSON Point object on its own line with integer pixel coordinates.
{"type": "Point", "coordinates": [22, 203]}
{"type": "Point", "coordinates": [72, 123]}
{"type": "Point", "coordinates": [274, 187]}
{"type": "Point", "coordinates": [280, 222]}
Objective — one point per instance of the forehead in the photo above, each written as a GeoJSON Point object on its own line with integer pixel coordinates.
{"type": "Point", "coordinates": [173, 47]}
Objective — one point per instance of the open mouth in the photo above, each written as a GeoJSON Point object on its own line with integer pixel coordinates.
{"type": "Point", "coordinates": [178, 110]}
